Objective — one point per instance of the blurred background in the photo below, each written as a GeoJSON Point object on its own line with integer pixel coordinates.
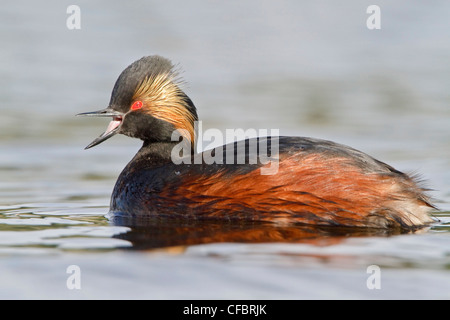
{"type": "Point", "coordinates": [308, 68]}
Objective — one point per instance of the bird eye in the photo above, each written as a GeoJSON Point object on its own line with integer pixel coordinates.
{"type": "Point", "coordinates": [137, 105]}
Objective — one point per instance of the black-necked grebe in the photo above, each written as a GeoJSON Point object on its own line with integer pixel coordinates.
{"type": "Point", "coordinates": [317, 182]}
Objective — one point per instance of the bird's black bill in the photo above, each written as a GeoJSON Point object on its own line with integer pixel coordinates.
{"type": "Point", "coordinates": [107, 112]}
{"type": "Point", "coordinates": [113, 126]}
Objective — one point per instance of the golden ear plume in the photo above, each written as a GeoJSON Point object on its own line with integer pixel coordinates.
{"type": "Point", "coordinates": [163, 99]}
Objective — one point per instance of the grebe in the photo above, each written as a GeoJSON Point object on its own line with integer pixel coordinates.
{"type": "Point", "coordinates": [318, 182]}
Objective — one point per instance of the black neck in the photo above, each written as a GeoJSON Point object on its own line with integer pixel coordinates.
{"type": "Point", "coordinates": [156, 152]}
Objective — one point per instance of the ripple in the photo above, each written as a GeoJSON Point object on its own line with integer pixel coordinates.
{"type": "Point", "coordinates": [57, 225]}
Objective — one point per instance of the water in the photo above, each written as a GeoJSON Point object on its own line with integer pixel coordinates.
{"type": "Point", "coordinates": [306, 69]}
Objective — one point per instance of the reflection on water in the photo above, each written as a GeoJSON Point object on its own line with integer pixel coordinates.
{"type": "Point", "coordinates": [245, 260]}
{"type": "Point", "coordinates": [68, 227]}
{"type": "Point", "coordinates": [159, 233]}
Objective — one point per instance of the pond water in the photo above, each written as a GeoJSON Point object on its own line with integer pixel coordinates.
{"type": "Point", "coordinates": [305, 69]}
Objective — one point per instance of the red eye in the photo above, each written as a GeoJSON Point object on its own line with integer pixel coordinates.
{"type": "Point", "coordinates": [137, 105]}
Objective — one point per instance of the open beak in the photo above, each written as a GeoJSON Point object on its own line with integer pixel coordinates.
{"type": "Point", "coordinates": [113, 126]}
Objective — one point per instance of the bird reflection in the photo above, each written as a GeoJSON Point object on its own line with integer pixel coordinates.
{"type": "Point", "coordinates": [153, 233]}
